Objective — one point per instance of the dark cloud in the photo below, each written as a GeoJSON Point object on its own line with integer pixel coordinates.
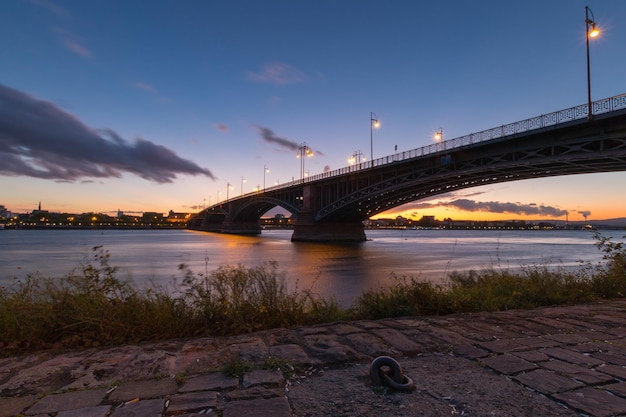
{"type": "Point", "coordinates": [38, 139]}
{"type": "Point", "coordinates": [585, 213]}
{"type": "Point", "coordinates": [268, 135]}
{"type": "Point", "coordinates": [500, 207]}
{"type": "Point", "coordinates": [493, 207]}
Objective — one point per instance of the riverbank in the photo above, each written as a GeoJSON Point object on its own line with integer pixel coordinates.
{"type": "Point", "coordinates": [94, 307]}
{"type": "Point", "coordinates": [553, 361]}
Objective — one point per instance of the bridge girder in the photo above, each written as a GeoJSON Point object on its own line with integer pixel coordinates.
{"type": "Point", "coordinates": [335, 205]}
{"type": "Point", "coordinates": [579, 149]}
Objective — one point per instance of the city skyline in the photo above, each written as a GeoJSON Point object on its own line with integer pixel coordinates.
{"type": "Point", "coordinates": [155, 106]}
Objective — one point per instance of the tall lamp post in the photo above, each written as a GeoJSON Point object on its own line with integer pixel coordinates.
{"type": "Point", "coordinates": [228, 188]}
{"type": "Point", "coordinates": [242, 181]}
{"type": "Point", "coordinates": [303, 152]}
{"type": "Point", "coordinates": [439, 137]}
{"type": "Point", "coordinates": [373, 123]}
{"type": "Point", "coordinates": [590, 32]}
{"type": "Point", "coordinates": [356, 158]}
{"type": "Point", "coordinates": [265, 171]}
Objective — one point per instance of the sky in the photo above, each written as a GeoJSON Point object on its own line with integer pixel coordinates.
{"type": "Point", "coordinates": [152, 105]}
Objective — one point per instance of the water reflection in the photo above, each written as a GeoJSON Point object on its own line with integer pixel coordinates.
{"type": "Point", "coordinates": [340, 270]}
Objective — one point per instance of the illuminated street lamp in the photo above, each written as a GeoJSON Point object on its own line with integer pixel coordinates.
{"type": "Point", "coordinates": [356, 158]}
{"type": "Point", "coordinates": [439, 135]}
{"type": "Point", "coordinates": [242, 181]}
{"type": "Point", "coordinates": [218, 196]}
{"type": "Point", "coordinates": [373, 123]}
{"type": "Point", "coordinates": [590, 32]}
{"type": "Point", "coordinates": [265, 171]}
{"type": "Point", "coordinates": [303, 151]}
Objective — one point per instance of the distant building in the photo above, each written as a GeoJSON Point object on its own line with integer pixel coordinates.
{"type": "Point", "coordinates": [152, 217]}
{"type": "Point", "coordinates": [4, 213]}
{"type": "Point", "coordinates": [173, 217]}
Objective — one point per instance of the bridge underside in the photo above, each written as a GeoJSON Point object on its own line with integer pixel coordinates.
{"type": "Point", "coordinates": [333, 209]}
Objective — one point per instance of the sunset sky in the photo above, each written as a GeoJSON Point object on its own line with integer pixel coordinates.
{"type": "Point", "coordinates": [153, 105]}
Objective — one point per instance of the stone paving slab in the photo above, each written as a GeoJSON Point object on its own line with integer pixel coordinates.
{"type": "Point", "coordinates": [547, 382]}
{"type": "Point", "coordinates": [144, 389]}
{"type": "Point", "coordinates": [67, 401]}
{"type": "Point", "coordinates": [593, 401]}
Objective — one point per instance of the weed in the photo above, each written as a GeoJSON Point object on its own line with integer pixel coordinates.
{"type": "Point", "coordinates": [236, 369]}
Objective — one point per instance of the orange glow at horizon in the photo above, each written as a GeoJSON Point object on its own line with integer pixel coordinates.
{"type": "Point", "coordinates": [441, 213]}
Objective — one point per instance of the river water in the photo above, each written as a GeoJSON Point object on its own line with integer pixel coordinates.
{"type": "Point", "coordinates": [152, 257]}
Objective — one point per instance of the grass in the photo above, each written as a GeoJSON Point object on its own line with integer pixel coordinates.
{"type": "Point", "coordinates": [93, 307]}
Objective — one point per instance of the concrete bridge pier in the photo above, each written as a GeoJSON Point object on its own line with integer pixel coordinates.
{"type": "Point", "coordinates": [306, 229]}
{"type": "Point", "coordinates": [241, 228]}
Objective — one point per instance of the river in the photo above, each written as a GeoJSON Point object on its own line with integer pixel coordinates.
{"type": "Point", "coordinates": [152, 257]}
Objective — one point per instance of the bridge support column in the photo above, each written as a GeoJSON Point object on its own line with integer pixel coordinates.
{"type": "Point", "coordinates": [306, 229]}
{"type": "Point", "coordinates": [241, 228]}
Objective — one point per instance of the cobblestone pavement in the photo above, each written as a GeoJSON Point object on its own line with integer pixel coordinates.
{"type": "Point", "coordinates": [574, 356]}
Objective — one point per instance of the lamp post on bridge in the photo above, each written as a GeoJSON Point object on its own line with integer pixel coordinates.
{"type": "Point", "coordinates": [373, 123]}
{"type": "Point", "coordinates": [242, 181]}
{"type": "Point", "coordinates": [356, 158]}
{"type": "Point", "coordinates": [228, 188]}
{"type": "Point", "coordinates": [439, 137]}
{"type": "Point", "coordinates": [590, 32]}
{"type": "Point", "coordinates": [303, 152]}
{"type": "Point", "coordinates": [265, 171]}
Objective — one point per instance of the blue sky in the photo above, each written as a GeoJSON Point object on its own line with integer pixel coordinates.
{"type": "Point", "coordinates": [158, 105]}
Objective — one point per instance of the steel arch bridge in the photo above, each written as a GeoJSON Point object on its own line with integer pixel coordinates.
{"type": "Point", "coordinates": [333, 205]}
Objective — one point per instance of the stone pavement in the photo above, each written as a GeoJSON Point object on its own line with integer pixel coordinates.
{"type": "Point", "coordinates": [572, 355]}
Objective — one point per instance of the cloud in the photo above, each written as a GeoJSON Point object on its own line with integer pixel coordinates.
{"type": "Point", "coordinates": [145, 87]}
{"type": "Point", "coordinates": [52, 7]}
{"type": "Point", "coordinates": [74, 43]}
{"type": "Point", "coordinates": [464, 204]}
{"type": "Point", "coordinates": [512, 208]}
{"type": "Point", "coordinates": [585, 213]}
{"type": "Point", "coordinates": [221, 127]}
{"type": "Point", "coordinates": [38, 139]}
{"type": "Point", "coordinates": [278, 73]}
{"type": "Point", "coordinates": [269, 136]}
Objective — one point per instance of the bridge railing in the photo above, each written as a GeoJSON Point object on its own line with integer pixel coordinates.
{"type": "Point", "coordinates": [606, 105]}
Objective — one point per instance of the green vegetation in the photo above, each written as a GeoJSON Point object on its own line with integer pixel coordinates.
{"type": "Point", "coordinates": [94, 307]}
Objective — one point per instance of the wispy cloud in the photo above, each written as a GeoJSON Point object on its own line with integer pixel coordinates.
{"type": "Point", "coordinates": [52, 7]}
{"type": "Point", "coordinates": [269, 136]}
{"type": "Point", "coordinates": [221, 127]}
{"type": "Point", "coordinates": [38, 139]}
{"type": "Point", "coordinates": [145, 87]}
{"type": "Point", "coordinates": [73, 43]}
{"type": "Point", "coordinates": [278, 73]}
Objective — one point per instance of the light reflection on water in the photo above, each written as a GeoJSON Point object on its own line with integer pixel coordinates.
{"type": "Point", "coordinates": [149, 257]}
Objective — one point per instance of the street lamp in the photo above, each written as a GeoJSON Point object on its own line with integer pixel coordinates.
{"type": "Point", "coordinates": [265, 171]}
{"type": "Point", "coordinates": [303, 151]}
{"type": "Point", "coordinates": [373, 123]}
{"type": "Point", "coordinates": [242, 181]}
{"type": "Point", "coordinates": [439, 137]}
{"type": "Point", "coordinates": [356, 158]}
{"type": "Point", "coordinates": [228, 188]}
{"type": "Point", "coordinates": [590, 32]}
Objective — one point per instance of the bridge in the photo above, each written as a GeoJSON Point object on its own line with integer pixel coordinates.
{"type": "Point", "coordinates": [332, 206]}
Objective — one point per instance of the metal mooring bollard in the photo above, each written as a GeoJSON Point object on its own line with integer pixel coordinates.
{"type": "Point", "coordinates": [393, 377]}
